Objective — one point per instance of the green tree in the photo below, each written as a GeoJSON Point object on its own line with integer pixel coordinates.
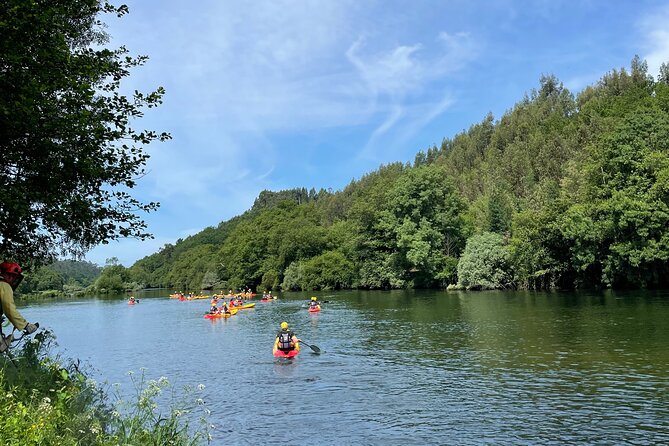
{"type": "Point", "coordinates": [70, 151]}
{"type": "Point", "coordinates": [42, 279]}
{"type": "Point", "coordinates": [423, 223]}
{"type": "Point", "coordinates": [328, 271]}
{"type": "Point", "coordinates": [619, 224]}
{"type": "Point", "coordinates": [485, 263]}
{"type": "Point", "coordinates": [293, 277]}
{"type": "Point", "coordinates": [113, 279]}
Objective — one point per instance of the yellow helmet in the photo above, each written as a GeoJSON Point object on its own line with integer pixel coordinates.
{"type": "Point", "coordinates": [284, 325]}
{"type": "Point", "coordinates": [313, 298]}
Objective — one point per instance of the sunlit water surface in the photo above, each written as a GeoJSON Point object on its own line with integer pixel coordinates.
{"type": "Point", "coordinates": [397, 367]}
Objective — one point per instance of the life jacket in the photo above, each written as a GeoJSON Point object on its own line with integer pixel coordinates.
{"type": "Point", "coordinates": [285, 340]}
{"type": "Point", "coordinates": [313, 304]}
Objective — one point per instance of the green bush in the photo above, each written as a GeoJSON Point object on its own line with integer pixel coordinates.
{"type": "Point", "coordinates": [46, 401]}
{"type": "Point", "coordinates": [485, 263]}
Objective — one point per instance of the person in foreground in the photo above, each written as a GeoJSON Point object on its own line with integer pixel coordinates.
{"type": "Point", "coordinates": [286, 343]}
{"type": "Point", "coordinates": [10, 279]}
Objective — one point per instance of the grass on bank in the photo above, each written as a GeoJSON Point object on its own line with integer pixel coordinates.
{"type": "Point", "coordinates": [46, 400]}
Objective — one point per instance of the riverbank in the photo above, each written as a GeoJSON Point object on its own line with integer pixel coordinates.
{"type": "Point", "coordinates": [45, 399]}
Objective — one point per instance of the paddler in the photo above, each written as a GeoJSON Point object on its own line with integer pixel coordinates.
{"type": "Point", "coordinates": [286, 340]}
{"type": "Point", "coordinates": [224, 308]}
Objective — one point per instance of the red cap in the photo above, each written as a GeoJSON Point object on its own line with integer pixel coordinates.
{"type": "Point", "coordinates": [10, 267]}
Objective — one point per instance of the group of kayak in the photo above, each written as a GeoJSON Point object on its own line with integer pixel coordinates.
{"type": "Point", "coordinates": [247, 294]}
{"type": "Point", "coordinates": [286, 343]}
{"type": "Point", "coordinates": [227, 309]}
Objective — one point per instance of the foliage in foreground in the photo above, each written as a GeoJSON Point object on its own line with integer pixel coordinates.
{"type": "Point", "coordinates": [71, 149]}
{"type": "Point", "coordinates": [45, 400]}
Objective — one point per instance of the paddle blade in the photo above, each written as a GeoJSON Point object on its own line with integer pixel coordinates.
{"type": "Point", "coordinates": [314, 348]}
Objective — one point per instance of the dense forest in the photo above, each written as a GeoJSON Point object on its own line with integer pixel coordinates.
{"type": "Point", "coordinates": [563, 191]}
{"type": "Point", "coordinates": [62, 276]}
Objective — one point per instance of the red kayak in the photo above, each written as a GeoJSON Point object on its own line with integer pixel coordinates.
{"type": "Point", "coordinates": [131, 303]}
{"type": "Point", "coordinates": [315, 309]}
{"type": "Point", "coordinates": [289, 354]}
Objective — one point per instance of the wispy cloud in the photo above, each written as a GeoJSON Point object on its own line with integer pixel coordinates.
{"type": "Point", "coordinates": [655, 30]}
{"type": "Point", "coordinates": [402, 80]}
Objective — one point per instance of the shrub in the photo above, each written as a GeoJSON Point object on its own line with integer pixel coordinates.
{"type": "Point", "coordinates": [485, 263]}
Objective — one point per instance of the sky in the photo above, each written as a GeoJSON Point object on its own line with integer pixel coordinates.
{"type": "Point", "coordinates": [274, 94]}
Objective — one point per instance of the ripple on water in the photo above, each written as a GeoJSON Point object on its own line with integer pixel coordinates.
{"type": "Point", "coordinates": [438, 368]}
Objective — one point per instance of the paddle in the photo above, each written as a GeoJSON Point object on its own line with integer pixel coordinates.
{"type": "Point", "coordinates": [314, 348]}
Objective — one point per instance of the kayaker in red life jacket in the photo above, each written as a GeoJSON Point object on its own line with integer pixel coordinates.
{"type": "Point", "coordinates": [239, 301]}
{"type": "Point", "coordinates": [286, 339]}
{"type": "Point", "coordinates": [232, 302]}
{"type": "Point", "coordinates": [10, 280]}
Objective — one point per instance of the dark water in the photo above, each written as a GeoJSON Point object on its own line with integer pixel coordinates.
{"type": "Point", "coordinates": [398, 367]}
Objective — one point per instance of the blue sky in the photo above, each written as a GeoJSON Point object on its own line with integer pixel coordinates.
{"type": "Point", "coordinates": [281, 94]}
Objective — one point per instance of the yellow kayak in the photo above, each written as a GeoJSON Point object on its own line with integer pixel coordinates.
{"type": "Point", "coordinates": [245, 306]}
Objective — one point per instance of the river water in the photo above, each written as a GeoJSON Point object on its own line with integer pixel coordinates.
{"type": "Point", "coordinates": [398, 367]}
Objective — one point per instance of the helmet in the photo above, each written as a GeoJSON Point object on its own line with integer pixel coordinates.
{"type": "Point", "coordinates": [11, 272]}
{"type": "Point", "coordinates": [313, 298]}
{"type": "Point", "coordinates": [284, 325]}
{"type": "Point", "coordinates": [10, 267]}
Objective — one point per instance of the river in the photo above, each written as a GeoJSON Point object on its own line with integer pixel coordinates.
{"type": "Point", "coordinates": [397, 367]}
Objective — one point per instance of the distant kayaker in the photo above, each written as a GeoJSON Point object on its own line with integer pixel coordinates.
{"type": "Point", "coordinates": [314, 303]}
{"type": "Point", "coordinates": [286, 339]}
{"type": "Point", "coordinates": [10, 280]}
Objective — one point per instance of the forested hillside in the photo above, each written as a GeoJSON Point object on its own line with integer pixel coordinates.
{"type": "Point", "coordinates": [62, 275]}
{"type": "Point", "coordinates": [561, 191]}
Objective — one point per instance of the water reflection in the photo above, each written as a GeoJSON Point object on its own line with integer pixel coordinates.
{"type": "Point", "coordinates": [399, 366]}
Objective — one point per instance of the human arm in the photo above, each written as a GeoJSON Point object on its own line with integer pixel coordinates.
{"type": "Point", "coordinates": [9, 307]}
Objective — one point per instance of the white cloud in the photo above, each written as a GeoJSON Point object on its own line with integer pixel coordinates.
{"type": "Point", "coordinates": [655, 29]}
{"type": "Point", "coordinates": [238, 74]}
{"type": "Point", "coordinates": [395, 72]}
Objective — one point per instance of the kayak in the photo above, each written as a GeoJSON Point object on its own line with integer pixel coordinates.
{"type": "Point", "coordinates": [220, 315]}
{"type": "Point", "coordinates": [131, 303]}
{"type": "Point", "coordinates": [289, 354]}
{"type": "Point", "coordinates": [315, 309]}
{"type": "Point", "coordinates": [241, 307]}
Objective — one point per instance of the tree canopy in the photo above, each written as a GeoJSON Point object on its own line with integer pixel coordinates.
{"type": "Point", "coordinates": [70, 150]}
